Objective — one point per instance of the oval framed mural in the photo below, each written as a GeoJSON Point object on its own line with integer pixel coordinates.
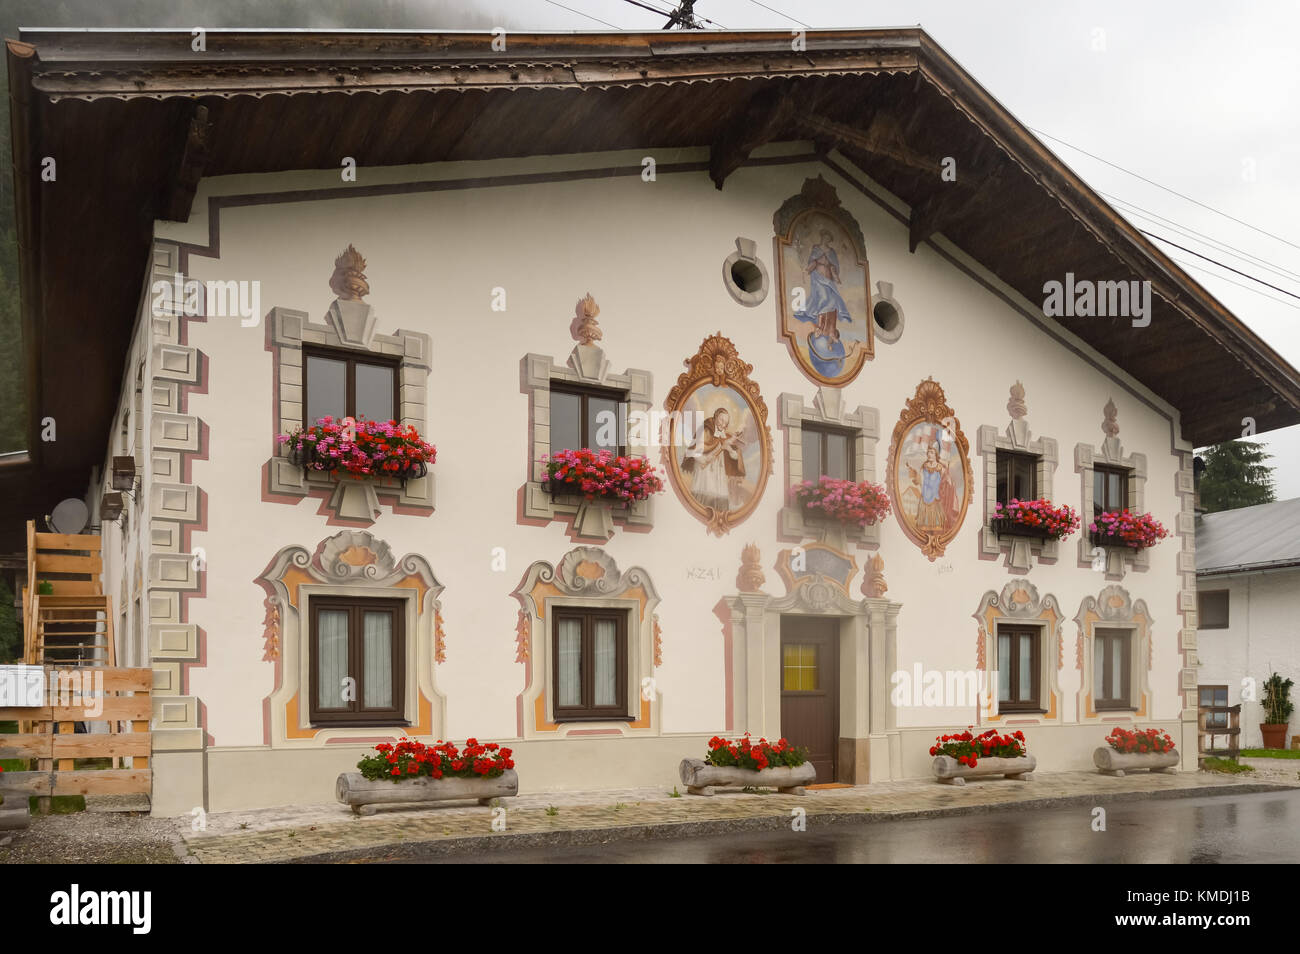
{"type": "Point", "coordinates": [825, 287]}
{"type": "Point", "coordinates": [929, 470]}
{"type": "Point", "coordinates": [718, 449]}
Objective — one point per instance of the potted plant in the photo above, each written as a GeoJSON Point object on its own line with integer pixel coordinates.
{"type": "Point", "coordinates": [962, 755]}
{"type": "Point", "coordinates": [745, 764]}
{"type": "Point", "coordinates": [1130, 750]}
{"type": "Point", "coordinates": [361, 448]}
{"type": "Point", "coordinates": [601, 475]}
{"type": "Point", "coordinates": [45, 588]}
{"type": "Point", "coordinates": [1277, 711]}
{"type": "Point", "coordinates": [1034, 518]}
{"type": "Point", "coordinates": [856, 503]}
{"type": "Point", "coordinates": [414, 772]}
{"type": "Point", "coordinates": [1135, 531]}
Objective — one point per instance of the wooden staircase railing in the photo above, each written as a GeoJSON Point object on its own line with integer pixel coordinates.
{"type": "Point", "coordinates": [72, 625]}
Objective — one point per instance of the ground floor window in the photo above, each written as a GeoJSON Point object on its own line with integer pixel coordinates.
{"type": "Point", "coordinates": [1018, 668]}
{"type": "Point", "coordinates": [1111, 669]}
{"type": "Point", "coordinates": [590, 664]}
{"type": "Point", "coordinates": [358, 647]}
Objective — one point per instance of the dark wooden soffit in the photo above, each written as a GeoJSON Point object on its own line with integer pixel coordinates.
{"type": "Point", "coordinates": [135, 119]}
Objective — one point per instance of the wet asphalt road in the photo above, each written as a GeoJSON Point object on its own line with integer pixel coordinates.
{"type": "Point", "coordinates": [1213, 830]}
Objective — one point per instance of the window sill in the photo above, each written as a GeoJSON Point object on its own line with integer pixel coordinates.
{"type": "Point", "coordinates": [619, 717]}
{"type": "Point", "coordinates": [1101, 708]}
{"type": "Point", "coordinates": [1002, 711]}
{"type": "Point", "coordinates": [360, 725]}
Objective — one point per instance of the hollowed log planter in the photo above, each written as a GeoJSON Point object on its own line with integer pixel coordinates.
{"type": "Point", "coordinates": [951, 772]}
{"type": "Point", "coordinates": [1110, 762]}
{"type": "Point", "coordinates": [701, 778]}
{"type": "Point", "coordinates": [362, 794]}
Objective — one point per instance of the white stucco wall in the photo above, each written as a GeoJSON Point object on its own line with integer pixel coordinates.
{"type": "Point", "coordinates": [1262, 637]}
{"type": "Point", "coordinates": [650, 253]}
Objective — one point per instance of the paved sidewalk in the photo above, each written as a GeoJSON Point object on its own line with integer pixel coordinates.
{"type": "Point", "coordinates": [332, 833]}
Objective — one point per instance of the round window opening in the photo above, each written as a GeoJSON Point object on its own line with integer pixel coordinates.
{"type": "Point", "coordinates": [747, 276]}
{"type": "Point", "coordinates": [886, 316]}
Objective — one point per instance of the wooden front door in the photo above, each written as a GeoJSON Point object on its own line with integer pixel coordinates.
{"type": "Point", "coordinates": [810, 688]}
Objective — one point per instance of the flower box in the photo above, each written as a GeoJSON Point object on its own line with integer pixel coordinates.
{"type": "Point", "coordinates": [1006, 527]}
{"type": "Point", "coordinates": [600, 475]}
{"type": "Point", "coordinates": [362, 795]}
{"type": "Point", "coordinates": [1038, 519]}
{"type": "Point", "coordinates": [361, 448]}
{"type": "Point", "coordinates": [853, 503]}
{"type": "Point", "coordinates": [701, 778]}
{"type": "Point", "coordinates": [1111, 762]}
{"type": "Point", "coordinates": [951, 772]}
{"type": "Point", "coordinates": [1133, 531]}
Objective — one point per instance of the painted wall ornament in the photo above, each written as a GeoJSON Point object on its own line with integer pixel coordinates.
{"type": "Point", "coordinates": [719, 468]}
{"type": "Point", "coordinates": [929, 470]}
{"type": "Point", "coordinates": [825, 288]}
{"type": "Point", "coordinates": [349, 279]}
{"type": "Point", "coordinates": [588, 330]}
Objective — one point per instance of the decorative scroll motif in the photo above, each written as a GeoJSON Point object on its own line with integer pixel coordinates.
{"type": "Point", "coordinates": [825, 286]}
{"type": "Point", "coordinates": [354, 554]}
{"type": "Point", "coordinates": [521, 638]}
{"type": "Point", "coordinates": [1110, 423]}
{"type": "Point", "coordinates": [750, 579]}
{"type": "Point", "coordinates": [439, 639]}
{"type": "Point", "coordinates": [1020, 601]}
{"type": "Point", "coordinates": [659, 643]}
{"type": "Point", "coordinates": [588, 327]}
{"type": "Point", "coordinates": [816, 563]}
{"type": "Point", "coordinates": [929, 470]}
{"type": "Point", "coordinates": [873, 581]}
{"type": "Point", "coordinates": [1016, 405]}
{"type": "Point", "coordinates": [271, 633]}
{"type": "Point", "coordinates": [721, 470]}
{"type": "Point", "coordinates": [1114, 607]}
{"type": "Point", "coordinates": [349, 280]}
{"type": "Point", "coordinates": [588, 571]}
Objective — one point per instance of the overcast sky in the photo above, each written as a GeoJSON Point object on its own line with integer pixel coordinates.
{"type": "Point", "coordinates": [1200, 97]}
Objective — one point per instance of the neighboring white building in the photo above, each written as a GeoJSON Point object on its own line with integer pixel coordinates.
{"type": "Point", "coordinates": [623, 218]}
{"type": "Point", "coordinates": [1248, 593]}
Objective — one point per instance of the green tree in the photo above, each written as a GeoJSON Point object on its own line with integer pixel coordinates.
{"type": "Point", "coordinates": [11, 635]}
{"type": "Point", "coordinates": [1236, 475]}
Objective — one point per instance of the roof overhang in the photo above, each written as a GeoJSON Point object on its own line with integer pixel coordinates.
{"type": "Point", "coordinates": [136, 118]}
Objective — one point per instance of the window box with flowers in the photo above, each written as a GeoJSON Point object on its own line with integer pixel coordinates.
{"type": "Point", "coordinates": [1123, 528]}
{"type": "Point", "coordinates": [412, 772]}
{"type": "Point", "coordinates": [1036, 519]}
{"type": "Point", "coordinates": [854, 503]}
{"type": "Point", "coordinates": [1130, 751]}
{"type": "Point", "coordinates": [962, 755]}
{"type": "Point", "coordinates": [740, 763]}
{"type": "Point", "coordinates": [600, 475]}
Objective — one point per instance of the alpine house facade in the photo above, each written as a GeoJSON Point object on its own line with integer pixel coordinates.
{"type": "Point", "coordinates": [753, 262]}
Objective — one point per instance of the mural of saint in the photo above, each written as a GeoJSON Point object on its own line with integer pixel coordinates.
{"type": "Point", "coordinates": [715, 462]}
{"type": "Point", "coordinates": [937, 509]}
{"type": "Point", "coordinates": [825, 307]}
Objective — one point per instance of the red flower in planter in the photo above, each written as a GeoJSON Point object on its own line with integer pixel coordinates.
{"type": "Point", "coordinates": [860, 503]}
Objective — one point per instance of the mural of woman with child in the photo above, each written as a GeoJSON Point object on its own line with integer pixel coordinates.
{"type": "Point", "coordinates": [929, 472]}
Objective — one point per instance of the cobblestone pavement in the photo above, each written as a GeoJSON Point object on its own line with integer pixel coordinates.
{"type": "Point", "coordinates": [331, 833]}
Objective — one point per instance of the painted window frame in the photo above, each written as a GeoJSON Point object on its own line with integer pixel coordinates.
{"type": "Point", "coordinates": [588, 711]}
{"type": "Point", "coordinates": [1087, 459]}
{"type": "Point", "coordinates": [1016, 438]}
{"type": "Point", "coordinates": [1114, 608]}
{"type": "Point", "coordinates": [825, 410]}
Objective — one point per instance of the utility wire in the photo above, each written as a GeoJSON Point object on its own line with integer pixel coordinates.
{"type": "Point", "coordinates": [1257, 291]}
{"type": "Point", "coordinates": [1220, 264]}
{"type": "Point", "coordinates": [1180, 195]}
{"type": "Point", "coordinates": [581, 14]}
{"type": "Point", "coordinates": [780, 14]}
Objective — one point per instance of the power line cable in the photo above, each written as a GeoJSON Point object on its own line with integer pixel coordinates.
{"type": "Point", "coordinates": [581, 14]}
{"type": "Point", "coordinates": [1262, 294]}
{"type": "Point", "coordinates": [1220, 264]}
{"type": "Point", "coordinates": [1135, 175]}
{"type": "Point", "coordinates": [780, 14]}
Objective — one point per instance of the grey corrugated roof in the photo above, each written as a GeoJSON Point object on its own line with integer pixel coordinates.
{"type": "Point", "coordinates": [1249, 537]}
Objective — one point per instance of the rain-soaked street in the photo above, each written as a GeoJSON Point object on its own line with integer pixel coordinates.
{"type": "Point", "coordinates": [1212, 830]}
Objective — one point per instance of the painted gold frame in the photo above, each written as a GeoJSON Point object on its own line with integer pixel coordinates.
{"type": "Point", "coordinates": [929, 406]}
{"type": "Point", "coordinates": [716, 363]}
{"type": "Point", "coordinates": [819, 196]}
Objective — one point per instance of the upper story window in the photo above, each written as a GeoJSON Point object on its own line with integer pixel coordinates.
{"type": "Point", "coordinates": [1109, 490]}
{"type": "Point", "coordinates": [1017, 477]}
{"type": "Point", "coordinates": [1018, 668]}
{"type": "Point", "coordinates": [348, 384]}
{"type": "Point", "coordinates": [357, 653]}
{"type": "Point", "coordinates": [828, 452]}
{"type": "Point", "coordinates": [1212, 608]}
{"type": "Point", "coordinates": [1111, 669]}
{"type": "Point", "coordinates": [594, 418]}
{"type": "Point", "coordinates": [590, 664]}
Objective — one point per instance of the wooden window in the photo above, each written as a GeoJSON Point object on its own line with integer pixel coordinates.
{"type": "Point", "coordinates": [829, 452]}
{"type": "Point", "coordinates": [1017, 477]}
{"type": "Point", "coordinates": [592, 418]}
{"type": "Point", "coordinates": [339, 384]}
{"type": "Point", "coordinates": [1018, 669]}
{"type": "Point", "coordinates": [1213, 703]}
{"type": "Point", "coordinates": [357, 659]}
{"type": "Point", "coordinates": [1109, 490]}
{"type": "Point", "coordinates": [589, 671]}
{"type": "Point", "coordinates": [1112, 666]}
{"type": "Point", "coordinates": [1212, 609]}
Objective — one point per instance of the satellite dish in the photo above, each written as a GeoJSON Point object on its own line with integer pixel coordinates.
{"type": "Point", "coordinates": [70, 516]}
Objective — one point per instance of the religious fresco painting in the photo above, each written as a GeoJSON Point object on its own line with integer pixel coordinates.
{"type": "Point", "coordinates": [929, 470]}
{"type": "Point", "coordinates": [718, 450]}
{"type": "Point", "coordinates": [825, 300]}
